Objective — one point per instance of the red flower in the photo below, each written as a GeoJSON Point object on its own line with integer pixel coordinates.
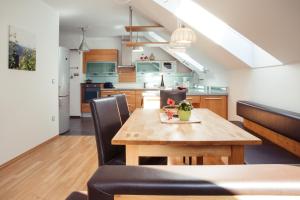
{"type": "Point", "coordinates": [170, 102]}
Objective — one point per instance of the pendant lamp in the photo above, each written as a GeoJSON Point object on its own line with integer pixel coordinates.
{"type": "Point", "coordinates": [83, 46]}
{"type": "Point", "coordinates": [182, 37]}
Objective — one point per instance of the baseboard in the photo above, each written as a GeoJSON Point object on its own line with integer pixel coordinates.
{"type": "Point", "coordinates": [27, 152]}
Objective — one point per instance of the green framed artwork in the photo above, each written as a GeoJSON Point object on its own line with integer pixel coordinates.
{"type": "Point", "coordinates": [22, 50]}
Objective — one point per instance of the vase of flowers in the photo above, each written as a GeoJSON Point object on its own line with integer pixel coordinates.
{"type": "Point", "coordinates": [184, 110]}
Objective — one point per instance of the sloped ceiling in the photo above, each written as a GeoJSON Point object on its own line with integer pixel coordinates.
{"type": "Point", "coordinates": [273, 25]}
{"type": "Point", "coordinates": [203, 50]}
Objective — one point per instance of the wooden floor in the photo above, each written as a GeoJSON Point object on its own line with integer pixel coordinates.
{"type": "Point", "coordinates": [51, 172]}
{"type": "Point", "coordinates": [54, 170]}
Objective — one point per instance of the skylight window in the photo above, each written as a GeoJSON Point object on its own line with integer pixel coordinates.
{"type": "Point", "coordinates": [219, 32]}
{"type": "Point", "coordinates": [181, 56]}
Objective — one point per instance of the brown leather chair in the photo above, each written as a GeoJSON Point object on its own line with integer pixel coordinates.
{"type": "Point", "coordinates": [107, 122]}
{"type": "Point", "coordinates": [123, 107]}
{"type": "Point", "coordinates": [176, 95]}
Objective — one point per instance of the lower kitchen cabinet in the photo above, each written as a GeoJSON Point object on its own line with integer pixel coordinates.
{"type": "Point", "coordinates": [85, 108]}
{"type": "Point", "coordinates": [217, 104]}
{"type": "Point", "coordinates": [139, 99]}
{"type": "Point", "coordinates": [194, 100]}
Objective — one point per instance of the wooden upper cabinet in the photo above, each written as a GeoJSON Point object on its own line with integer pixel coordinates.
{"type": "Point", "coordinates": [99, 55]}
{"type": "Point", "coordinates": [217, 104]}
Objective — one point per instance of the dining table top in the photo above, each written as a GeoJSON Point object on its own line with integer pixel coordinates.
{"type": "Point", "coordinates": [144, 127]}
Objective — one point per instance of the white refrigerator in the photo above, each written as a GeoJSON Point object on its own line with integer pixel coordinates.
{"type": "Point", "coordinates": [64, 90]}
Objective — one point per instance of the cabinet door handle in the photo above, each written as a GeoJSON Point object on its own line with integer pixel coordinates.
{"type": "Point", "coordinates": [213, 98]}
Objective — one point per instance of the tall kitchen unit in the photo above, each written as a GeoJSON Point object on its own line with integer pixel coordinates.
{"type": "Point", "coordinates": [64, 90]}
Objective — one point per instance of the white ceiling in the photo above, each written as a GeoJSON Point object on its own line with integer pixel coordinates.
{"type": "Point", "coordinates": [273, 25]}
{"type": "Point", "coordinates": [103, 18]}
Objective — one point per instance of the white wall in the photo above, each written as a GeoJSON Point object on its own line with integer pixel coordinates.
{"type": "Point", "coordinates": [276, 86]}
{"type": "Point", "coordinates": [28, 99]}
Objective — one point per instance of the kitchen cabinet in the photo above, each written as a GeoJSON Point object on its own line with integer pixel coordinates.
{"type": "Point", "coordinates": [130, 96]}
{"type": "Point", "coordinates": [194, 100]}
{"type": "Point", "coordinates": [85, 108]}
{"type": "Point", "coordinates": [139, 98]}
{"type": "Point", "coordinates": [99, 55]}
{"type": "Point", "coordinates": [147, 67]}
{"type": "Point", "coordinates": [217, 104]}
{"type": "Point", "coordinates": [106, 93]}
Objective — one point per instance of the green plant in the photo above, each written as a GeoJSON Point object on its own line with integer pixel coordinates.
{"type": "Point", "coordinates": [185, 106]}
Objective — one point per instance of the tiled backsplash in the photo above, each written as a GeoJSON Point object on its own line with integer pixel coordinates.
{"type": "Point", "coordinates": [151, 79]}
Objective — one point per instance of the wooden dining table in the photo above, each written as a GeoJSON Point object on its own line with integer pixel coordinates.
{"type": "Point", "coordinates": [144, 135]}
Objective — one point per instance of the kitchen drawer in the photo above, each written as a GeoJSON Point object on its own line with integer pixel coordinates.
{"type": "Point", "coordinates": [131, 107]}
{"type": "Point", "coordinates": [105, 93]}
{"type": "Point", "coordinates": [85, 108]}
{"type": "Point", "coordinates": [217, 104]}
{"type": "Point", "coordinates": [127, 92]}
{"type": "Point", "coordinates": [139, 99]}
{"type": "Point", "coordinates": [194, 100]}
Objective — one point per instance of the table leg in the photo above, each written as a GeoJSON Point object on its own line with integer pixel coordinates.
{"type": "Point", "coordinates": [175, 161]}
{"type": "Point", "coordinates": [237, 155]}
{"type": "Point", "coordinates": [132, 155]}
{"type": "Point", "coordinates": [199, 160]}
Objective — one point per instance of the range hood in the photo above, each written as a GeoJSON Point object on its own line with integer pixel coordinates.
{"type": "Point", "coordinates": [126, 54]}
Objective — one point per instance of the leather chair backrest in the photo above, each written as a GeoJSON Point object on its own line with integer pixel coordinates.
{"type": "Point", "coordinates": [123, 107]}
{"type": "Point", "coordinates": [107, 122]}
{"type": "Point", "coordinates": [176, 95]}
{"type": "Point", "coordinates": [284, 122]}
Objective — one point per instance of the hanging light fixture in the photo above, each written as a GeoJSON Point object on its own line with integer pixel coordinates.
{"type": "Point", "coordinates": [83, 46]}
{"type": "Point", "coordinates": [182, 37]}
{"type": "Point", "coordinates": [137, 49]}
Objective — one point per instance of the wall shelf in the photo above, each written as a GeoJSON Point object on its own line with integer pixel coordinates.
{"type": "Point", "coordinates": [143, 28]}
{"type": "Point", "coordinates": [148, 44]}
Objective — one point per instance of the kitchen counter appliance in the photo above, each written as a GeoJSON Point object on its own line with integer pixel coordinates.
{"type": "Point", "coordinates": [91, 91]}
{"type": "Point", "coordinates": [64, 90]}
{"type": "Point", "coordinates": [108, 85]}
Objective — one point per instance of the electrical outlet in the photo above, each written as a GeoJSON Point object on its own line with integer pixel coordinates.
{"type": "Point", "coordinates": [53, 81]}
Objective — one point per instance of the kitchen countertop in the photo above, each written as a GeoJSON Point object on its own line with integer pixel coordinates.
{"type": "Point", "coordinates": [191, 92]}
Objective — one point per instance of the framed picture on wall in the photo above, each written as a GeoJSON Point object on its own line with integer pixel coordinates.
{"type": "Point", "coordinates": [22, 49]}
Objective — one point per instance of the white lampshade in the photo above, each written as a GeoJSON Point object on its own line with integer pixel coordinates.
{"type": "Point", "coordinates": [183, 37]}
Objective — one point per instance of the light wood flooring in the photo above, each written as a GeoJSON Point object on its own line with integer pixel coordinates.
{"type": "Point", "coordinates": [54, 170]}
{"type": "Point", "coordinates": [51, 172]}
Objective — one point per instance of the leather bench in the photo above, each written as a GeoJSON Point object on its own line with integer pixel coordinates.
{"type": "Point", "coordinates": [278, 120]}
{"type": "Point", "coordinates": [177, 182]}
{"type": "Point", "coordinates": [267, 152]}
{"type": "Point", "coordinates": [279, 129]}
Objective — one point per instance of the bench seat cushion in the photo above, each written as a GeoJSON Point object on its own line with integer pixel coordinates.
{"type": "Point", "coordinates": [281, 121]}
{"type": "Point", "coordinates": [194, 180]}
{"type": "Point", "coordinates": [267, 152]}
